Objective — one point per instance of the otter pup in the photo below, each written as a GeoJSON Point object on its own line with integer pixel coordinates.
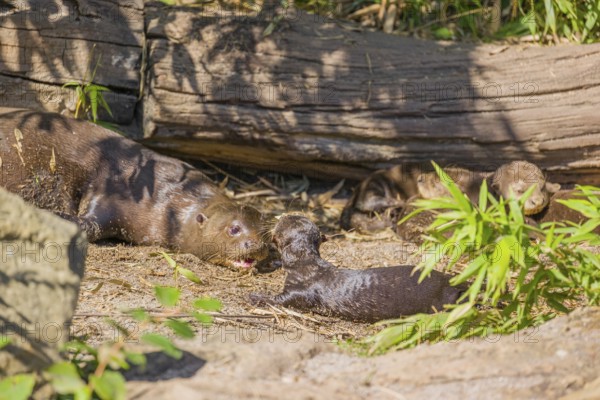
{"type": "Point", "coordinates": [376, 202]}
{"type": "Point", "coordinates": [313, 284]}
{"type": "Point", "coordinates": [116, 188]}
{"type": "Point", "coordinates": [371, 207]}
{"type": "Point", "coordinates": [517, 177]}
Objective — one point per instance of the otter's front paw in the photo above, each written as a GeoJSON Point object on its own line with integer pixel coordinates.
{"type": "Point", "coordinates": [257, 299]}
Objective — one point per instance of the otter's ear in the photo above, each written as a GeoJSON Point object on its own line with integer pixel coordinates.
{"type": "Point", "coordinates": [552, 187]}
{"type": "Point", "coordinates": [323, 238]}
{"type": "Point", "coordinates": [201, 218]}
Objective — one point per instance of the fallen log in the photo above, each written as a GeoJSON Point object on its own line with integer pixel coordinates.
{"type": "Point", "coordinates": [44, 45]}
{"type": "Point", "coordinates": [325, 98]}
{"type": "Point", "coordinates": [315, 96]}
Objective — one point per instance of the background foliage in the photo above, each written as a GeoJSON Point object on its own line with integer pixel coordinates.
{"type": "Point", "coordinates": [545, 20]}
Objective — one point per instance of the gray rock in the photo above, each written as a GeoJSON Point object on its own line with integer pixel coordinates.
{"type": "Point", "coordinates": [557, 359]}
{"type": "Point", "coordinates": [41, 264]}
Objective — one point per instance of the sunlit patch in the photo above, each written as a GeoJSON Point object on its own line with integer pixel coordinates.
{"type": "Point", "coordinates": [532, 211]}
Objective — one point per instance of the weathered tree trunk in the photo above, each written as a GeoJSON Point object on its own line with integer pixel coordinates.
{"type": "Point", "coordinates": [45, 44]}
{"type": "Point", "coordinates": [320, 98]}
{"type": "Point", "coordinates": [315, 96]}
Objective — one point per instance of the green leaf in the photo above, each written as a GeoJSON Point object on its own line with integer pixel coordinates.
{"type": "Point", "coordinates": [139, 315]}
{"type": "Point", "coordinates": [65, 378]}
{"type": "Point", "coordinates": [109, 386]}
{"type": "Point", "coordinates": [71, 83]}
{"type": "Point", "coordinates": [17, 387]}
{"type": "Point", "coordinates": [582, 206]}
{"type": "Point", "coordinates": [449, 184]}
{"type": "Point", "coordinates": [483, 195]}
{"type": "Point", "coordinates": [443, 33]}
{"type": "Point", "coordinates": [459, 312]}
{"type": "Point", "coordinates": [207, 304]}
{"type": "Point", "coordinates": [172, 263]}
{"type": "Point", "coordinates": [136, 358]}
{"type": "Point", "coordinates": [189, 275]}
{"type": "Point", "coordinates": [167, 296]}
{"type": "Point", "coordinates": [105, 105]}
{"type": "Point", "coordinates": [93, 95]}
{"type": "Point", "coordinates": [204, 319]}
{"type": "Point", "coordinates": [550, 16]}
{"type": "Point", "coordinates": [162, 343]}
{"type": "Point", "coordinates": [472, 269]}
{"type": "Point", "coordinates": [4, 341]}
{"type": "Point", "coordinates": [272, 25]}
{"type": "Point", "coordinates": [181, 328]}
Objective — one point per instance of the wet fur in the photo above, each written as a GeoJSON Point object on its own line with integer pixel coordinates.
{"type": "Point", "coordinates": [116, 188]}
{"type": "Point", "coordinates": [313, 284]}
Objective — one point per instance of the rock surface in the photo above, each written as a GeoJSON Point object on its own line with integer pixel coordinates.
{"type": "Point", "coordinates": [561, 358]}
{"type": "Point", "coordinates": [41, 267]}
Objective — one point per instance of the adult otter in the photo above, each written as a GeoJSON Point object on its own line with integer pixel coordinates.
{"type": "Point", "coordinates": [380, 200]}
{"type": "Point", "coordinates": [116, 188]}
{"type": "Point", "coordinates": [313, 284]}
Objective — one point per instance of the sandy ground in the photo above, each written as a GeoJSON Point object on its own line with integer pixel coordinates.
{"type": "Point", "coordinates": [120, 277]}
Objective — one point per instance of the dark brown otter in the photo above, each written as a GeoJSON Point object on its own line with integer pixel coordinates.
{"type": "Point", "coordinates": [385, 196]}
{"type": "Point", "coordinates": [116, 188]}
{"type": "Point", "coordinates": [371, 207]}
{"type": "Point", "coordinates": [378, 201]}
{"type": "Point", "coordinates": [557, 212]}
{"type": "Point", "coordinates": [313, 284]}
{"type": "Point", "coordinates": [515, 177]}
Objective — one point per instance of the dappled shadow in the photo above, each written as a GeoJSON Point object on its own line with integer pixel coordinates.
{"type": "Point", "coordinates": [366, 99]}
{"type": "Point", "coordinates": [161, 367]}
{"type": "Point", "coordinates": [46, 44]}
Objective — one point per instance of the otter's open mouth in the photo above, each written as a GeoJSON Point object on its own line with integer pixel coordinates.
{"type": "Point", "coordinates": [246, 263]}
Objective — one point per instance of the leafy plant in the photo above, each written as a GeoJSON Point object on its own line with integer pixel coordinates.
{"type": "Point", "coordinates": [179, 270]}
{"type": "Point", "coordinates": [515, 282]}
{"type": "Point", "coordinates": [546, 20]}
{"type": "Point", "coordinates": [94, 372]}
{"type": "Point", "coordinates": [89, 94]}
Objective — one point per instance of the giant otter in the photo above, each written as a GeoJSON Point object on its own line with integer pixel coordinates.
{"type": "Point", "coordinates": [116, 188]}
{"type": "Point", "coordinates": [385, 196]}
{"type": "Point", "coordinates": [313, 284]}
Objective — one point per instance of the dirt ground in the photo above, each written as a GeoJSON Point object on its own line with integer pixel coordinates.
{"type": "Point", "coordinates": [120, 276]}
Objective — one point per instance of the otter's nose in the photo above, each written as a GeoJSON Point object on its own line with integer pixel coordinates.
{"type": "Point", "coordinates": [536, 201]}
{"type": "Point", "coordinates": [248, 244]}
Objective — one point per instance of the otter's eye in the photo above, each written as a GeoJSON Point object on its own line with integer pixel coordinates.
{"type": "Point", "coordinates": [234, 230]}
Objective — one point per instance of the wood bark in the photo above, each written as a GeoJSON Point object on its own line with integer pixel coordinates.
{"type": "Point", "coordinates": [321, 98]}
{"type": "Point", "coordinates": [315, 96]}
{"type": "Point", "coordinates": [44, 45]}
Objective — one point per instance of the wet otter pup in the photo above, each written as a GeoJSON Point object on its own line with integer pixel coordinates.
{"type": "Point", "coordinates": [116, 188]}
{"type": "Point", "coordinates": [313, 284]}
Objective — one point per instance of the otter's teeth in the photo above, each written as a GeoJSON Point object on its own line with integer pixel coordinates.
{"type": "Point", "coordinates": [246, 263]}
